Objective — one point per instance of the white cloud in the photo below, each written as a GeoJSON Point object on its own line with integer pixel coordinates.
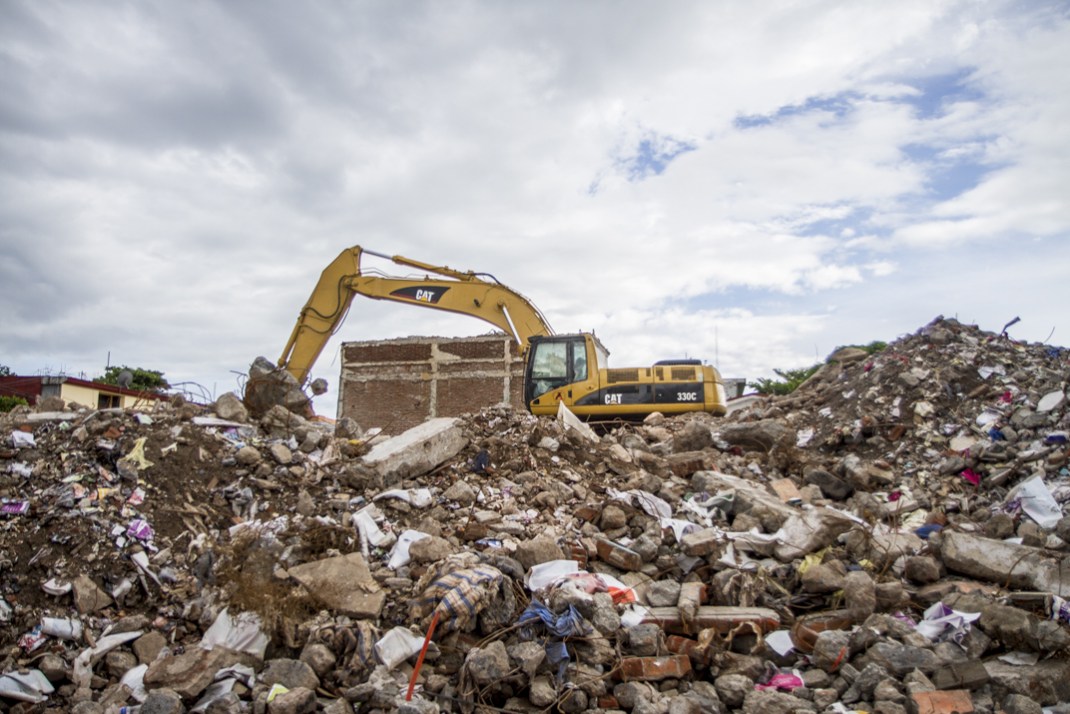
{"type": "Point", "coordinates": [173, 178]}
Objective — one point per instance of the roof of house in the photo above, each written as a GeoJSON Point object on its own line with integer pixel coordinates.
{"type": "Point", "coordinates": [89, 384]}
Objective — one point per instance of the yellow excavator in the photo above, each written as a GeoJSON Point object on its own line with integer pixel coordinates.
{"type": "Point", "coordinates": [570, 369]}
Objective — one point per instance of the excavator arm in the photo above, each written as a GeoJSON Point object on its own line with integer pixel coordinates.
{"type": "Point", "coordinates": [476, 294]}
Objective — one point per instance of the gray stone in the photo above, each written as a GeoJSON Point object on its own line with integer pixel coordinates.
{"type": "Point", "coordinates": [695, 436]}
{"type": "Point", "coordinates": [831, 648]}
{"type": "Point", "coordinates": [88, 596]}
{"type": "Point", "coordinates": [342, 583]}
{"type": "Point", "coordinates": [53, 667]}
{"type": "Point", "coordinates": [119, 662]}
{"type": "Point", "coordinates": [1062, 529]}
{"type": "Point", "coordinates": [899, 659]}
{"type": "Point", "coordinates": [299, 700]}
{"type": "Point", "coordinates": [832, 487]}
{"type": "Point", "coordinates": [988, 559]}
{"type": "Point", "coordinates": [248, 456]}
{"type": "Point", "coordinates": [87, 707]}
{"type": "Point", "coordinates": [762, 435]}
{"type": "Point", "coordinates": [684, 705]}
{"type": "Point", "coordinates": [705, 694]}
{"type": "Point", "coordinates": [732, 689]}
{"type": "Point", "coordinates": [613, 517]}
{"type": "Point", "coordinates": [647, 547]}
{"type": "Point", "coordinates": [461, 492]}
{"type": "Point", "coordinates": [889, 707]}
{"type": "Point", "coordinates": [417, 451]}
{"type": "Point", "coordinates": [148, 646]}
{"type": "Point", "coordinates": [417, 706]}
{"type": "Point", "coordinates": [528, 656]}
{"type": "Point", "coordinates": [574, 700]}
{"type": "Point", "coordinates": [825, 697]}
{"type": "Point", "coordinates": [629, 694]}
{"type": "Point", "coordinates": [230, 408]}
{"type": "Point", "coordinates": [283, 423]}
{"type": "Point", "coordinates": [229, 703]}
{"type": "Point", "coordinates": [860, 595]}
{"type": "Point", "coordinates": [348, 428]}
{"type": "Point", "coordinates": [1021, 704]}
{"type": "Point", "coordinates": [891, 595]}
{"type": "Point", "coordinates": [290, 673]}
{"type": "Point", "coordinates": [868, 680]}
{"type": "Point", "coordinates": [662, 593]}
{"type": "Point", "coordinates": [605, 617]}
{"type": "Point", "coordinates": [1047, 681]}
{"type": "Point", "coordinates": [188, 674]}
{"type": "Point", "coordinates": [772, 702]}
{"type": "Point", "coordinates": [281, 453]}
{"type": "Point", "coordinates": [815, 678]}
{"type": "Point", "coordinates": [540, 549]}
{"type": "Point", "coordinates": [489, 664]}
{"type": "Point", "coordinates": [921, 569]}
{"type": "Point", "coordinates": [270, 388]}
{"type": "Point", "coordinates": [306, 505]}
{"type": "Point", "coordinates": [319, 657]}
{"type": "Point", "coordinates": [542, 692]}
{"type": "Point", "coordinates": [430, 550]}
{"type": "Point", "coordinates": [882, 547]}
{"type": "Point", "coordinates": [646, 640]}
{"type": "Point", "coordinates": [163, 701]}
{"type": "Point", "coordinates": [1032, 534]}
{"type": "Point", "coordinates": [968, 674]}
{"type": "Point", "coordinates": [823, 578]}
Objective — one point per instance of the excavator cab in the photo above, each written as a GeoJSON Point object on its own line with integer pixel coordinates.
{"type": "Point", "coordinates": [559, 361]}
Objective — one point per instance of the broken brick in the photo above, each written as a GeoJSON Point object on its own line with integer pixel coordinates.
{"type": "Point", "coordinates": [955, 701]}
{"type": "Point", "coordinates": [653, 669]}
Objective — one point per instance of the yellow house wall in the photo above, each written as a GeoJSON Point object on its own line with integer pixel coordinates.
{"type": "Point", "coordinates": [78, 395]}
{"type": "Point", "coordinates": [88, 397]}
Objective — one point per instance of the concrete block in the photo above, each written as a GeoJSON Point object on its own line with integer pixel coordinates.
{"type": "Point", "coordinates": [343, 583]}
{"type": "Point", "coordinates": [416, 451]}
{"type": "Point", "coordinates": [705, 542]}
{"type": "Point", "coordinates": [617, 555]}
{"type": "Point", "coordinates": [968, 674]}
{"type": "Point", "coordinates": [1020, 566]}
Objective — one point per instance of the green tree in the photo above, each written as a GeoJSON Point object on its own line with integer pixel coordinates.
{"type": "Point", "coordinates": [142, 380]}
{"type": "Point", "coordinates": [8, 402]}
{"type": "Point", "coordinates": [789, 381]}
{"type": "Point", "coordinates": [872, 348]}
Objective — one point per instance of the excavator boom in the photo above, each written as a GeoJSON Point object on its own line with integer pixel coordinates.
{"type": "Point", "coordinates": [476, 294]}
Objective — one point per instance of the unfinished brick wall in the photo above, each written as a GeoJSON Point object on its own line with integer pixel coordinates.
{"type": "Point", "coordinates": [397, 384]}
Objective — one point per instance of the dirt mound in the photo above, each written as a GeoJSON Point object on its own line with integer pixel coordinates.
{"type": "Point", "coordinates": [794, 549]}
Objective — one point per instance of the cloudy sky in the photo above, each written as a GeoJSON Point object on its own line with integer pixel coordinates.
{"type": "Point", "coordinates": [752, 184]}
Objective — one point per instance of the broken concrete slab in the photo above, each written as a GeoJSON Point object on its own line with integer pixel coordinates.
{"type": "Point", "coordinates": [810, 530]}
{"type": "Point", "coordinates": [343, 583]}
{"type": "Point", "coordinates": [416, 451]}
{"type": "Point", "coordinates": [190, 672]}
{"type": "Point", "coordinates": [1018, 566]}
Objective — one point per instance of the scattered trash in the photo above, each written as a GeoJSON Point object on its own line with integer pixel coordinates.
{"type": "Point", "coordinates": [842, 536]}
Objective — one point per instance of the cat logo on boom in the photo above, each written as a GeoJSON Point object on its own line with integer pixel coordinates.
{"type": "Point", "coordinates": [425, 295]}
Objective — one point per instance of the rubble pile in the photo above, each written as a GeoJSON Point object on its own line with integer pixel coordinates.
{"type": "Point", "coordinates": [889, 538]}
